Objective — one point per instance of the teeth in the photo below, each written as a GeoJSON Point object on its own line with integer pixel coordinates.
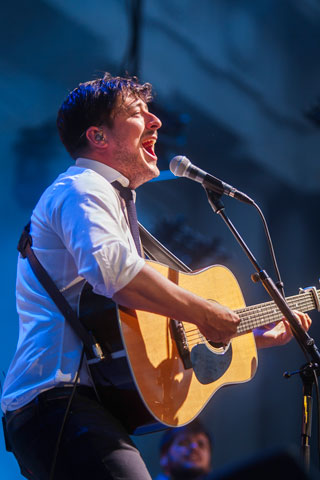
{"type": "Point", "coordinates": [149, 143]}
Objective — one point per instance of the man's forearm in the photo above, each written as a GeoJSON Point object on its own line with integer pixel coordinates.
{"type": "Point", "coordinates": [150, 291]}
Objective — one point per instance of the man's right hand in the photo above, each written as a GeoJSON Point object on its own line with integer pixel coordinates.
{"type": "Point", "coordinates": [218, 324]}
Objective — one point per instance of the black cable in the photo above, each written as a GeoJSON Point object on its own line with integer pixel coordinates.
{"type": "Point", "coordinates": [273, 256]}
{"type": "Point", "coordinates": [279, 283]}
{"type": "Point", "coordinates": [56, 450]}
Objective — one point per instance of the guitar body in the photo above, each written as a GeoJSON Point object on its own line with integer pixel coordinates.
{"type": "Point", "coordinates": [152, 386]}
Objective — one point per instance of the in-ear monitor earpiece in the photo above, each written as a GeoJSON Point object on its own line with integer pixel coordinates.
{"type": "Point", "coordinates": [99, 136]}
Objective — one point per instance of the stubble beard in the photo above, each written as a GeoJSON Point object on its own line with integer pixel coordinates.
{"type": "Point", "coordinates": [134, 168]}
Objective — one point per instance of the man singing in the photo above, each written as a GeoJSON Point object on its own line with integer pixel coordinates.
{"type": "Point", "coordinates": [81, 232]}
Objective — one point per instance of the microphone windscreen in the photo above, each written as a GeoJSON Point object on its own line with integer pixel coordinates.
{"type": "Point", "coordinates": [179, 165]}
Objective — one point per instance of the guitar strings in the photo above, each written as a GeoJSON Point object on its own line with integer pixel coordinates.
{"type": "Point", "coordinates": [270, 312]}
{"type": "Point", "coordinates": [258, 315]}
{"type": "Point", "coordinates": [305, 299]}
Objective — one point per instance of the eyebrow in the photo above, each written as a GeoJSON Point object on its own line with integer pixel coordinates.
{"type": "Point", "coordinates": [135, 104]}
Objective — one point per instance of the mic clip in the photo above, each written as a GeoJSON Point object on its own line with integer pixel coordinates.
{"type": "Point", "coordinates": [214, 199]}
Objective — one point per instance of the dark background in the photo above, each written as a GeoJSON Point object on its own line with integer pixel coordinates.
{"type": "Point", "coordinates": [237, 86]}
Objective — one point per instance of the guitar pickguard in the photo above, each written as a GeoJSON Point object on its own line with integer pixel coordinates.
{"type": "Point", "coordinates": [209, 366]}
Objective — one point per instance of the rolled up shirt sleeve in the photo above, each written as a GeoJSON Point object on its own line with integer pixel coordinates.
{"type": "Point", "coordinates": [88, 218]}
{"type": "Point", "coordinates": [118, 267]}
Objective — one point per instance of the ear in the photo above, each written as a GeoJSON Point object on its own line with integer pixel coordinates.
{"type": "Point", "coordinates": [97, 137]}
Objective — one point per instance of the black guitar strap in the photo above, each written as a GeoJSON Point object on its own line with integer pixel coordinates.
{"type": "Point", "coordinates": [153, 248]}
{"type": "Point", "coordinates": [25, 248]}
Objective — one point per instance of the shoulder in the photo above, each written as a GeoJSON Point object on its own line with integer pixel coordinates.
{"type": "Point", "coordinates": [74, 189]}
{"type": "Point", "coordinates": [83, 180]}
{"type": "Point", "coordinates": [78, 183]}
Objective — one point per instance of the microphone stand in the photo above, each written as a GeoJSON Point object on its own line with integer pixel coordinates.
{"type": "Point", "coordinates": [307, 344]}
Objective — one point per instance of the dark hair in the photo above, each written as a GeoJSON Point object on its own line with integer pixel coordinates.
{"type": "Point", "coordinates": [191, 428]}
{"type": "Point", "coordinates": [94, 103]}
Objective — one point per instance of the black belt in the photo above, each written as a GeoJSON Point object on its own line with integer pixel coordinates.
{"type": "Point", "coordinates": [56, 393]}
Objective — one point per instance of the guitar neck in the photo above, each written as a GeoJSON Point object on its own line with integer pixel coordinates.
{"type": "Point", "coordinates": [264, 313]}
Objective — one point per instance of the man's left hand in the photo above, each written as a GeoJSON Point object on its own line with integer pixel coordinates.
{"type": "Point", "coordinates": [279, 333]}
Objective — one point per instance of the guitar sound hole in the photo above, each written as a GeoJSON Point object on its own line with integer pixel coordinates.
{"type": "Point", "coordinates": [216, 345]}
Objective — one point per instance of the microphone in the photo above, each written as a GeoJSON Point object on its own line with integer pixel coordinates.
{"type": "Point", "coordinates": [181, 166]}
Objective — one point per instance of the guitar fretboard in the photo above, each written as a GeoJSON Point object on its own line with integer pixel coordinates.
{"type": "Point", "coordinates": [258, 315]}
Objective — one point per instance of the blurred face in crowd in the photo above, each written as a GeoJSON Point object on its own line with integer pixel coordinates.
{"type": "Point", "coordinates": [188, 456]}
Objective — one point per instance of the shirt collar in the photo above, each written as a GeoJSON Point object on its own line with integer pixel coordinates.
{"type": "Point", "coordinates": [104, 170]}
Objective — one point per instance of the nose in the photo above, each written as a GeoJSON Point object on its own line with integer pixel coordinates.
{"type": "Point", "coordinates": [193, 445]}
{"type": "Point", "coordinates": [153, 122]}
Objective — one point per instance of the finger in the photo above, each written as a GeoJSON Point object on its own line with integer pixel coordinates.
{"type": "Point", "coordinates": [303, 319]}
{"type": "Point", "coordinates": [308, 320]}
{"type": "Point", "coordinates": [288, 328]}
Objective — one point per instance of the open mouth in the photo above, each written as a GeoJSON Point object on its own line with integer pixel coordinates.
{"type": "Point", "coordinates": [194, 458]}
{"type": "Point", "coordinates": [148, 146]}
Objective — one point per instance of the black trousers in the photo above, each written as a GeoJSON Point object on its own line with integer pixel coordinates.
{"type": "Point", "coordinates": [94, 444]}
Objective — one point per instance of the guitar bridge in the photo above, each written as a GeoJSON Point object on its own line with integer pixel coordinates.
{"type": "Point", "coordinates": [180, 338]}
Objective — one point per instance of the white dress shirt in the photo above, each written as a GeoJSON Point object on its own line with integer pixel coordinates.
{"type": "Point", "coordinates": [80, 232]}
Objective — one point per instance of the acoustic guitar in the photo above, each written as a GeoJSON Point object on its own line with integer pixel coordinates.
{"type": "Point", "coordinates": [158, 372]}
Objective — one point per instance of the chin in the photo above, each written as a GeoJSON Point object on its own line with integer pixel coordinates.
{"type": "Point", "coordinates": [152, 173]}
{"type": "Point", "coordinates": [155, 172]}
{"type": "Point", "coordinates": [144, 176]}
